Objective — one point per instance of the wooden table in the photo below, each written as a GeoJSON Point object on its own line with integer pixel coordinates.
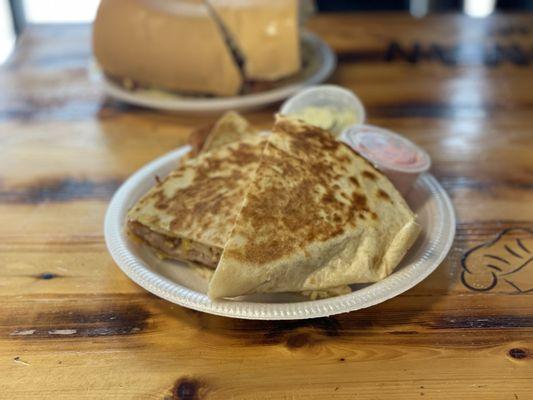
{"type": "Point", "coordinates": [72, 326]}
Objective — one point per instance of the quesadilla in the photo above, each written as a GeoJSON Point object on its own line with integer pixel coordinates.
{"type": "Point", "coordinates": [231, 127]}
{"type": "Point", "coordinates": [316, 215]}
{"type": "Point", "coordinates": [189, 215]}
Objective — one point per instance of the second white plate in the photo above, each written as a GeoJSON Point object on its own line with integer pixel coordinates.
{"type": "Point", "coordinates": [179, 284]}
{"type": "Point", "coordinates": [319, 63]}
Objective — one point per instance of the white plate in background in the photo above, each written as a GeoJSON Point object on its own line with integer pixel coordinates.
{"type": "Point", "coordinates": [178, 283]}
{"type": "Point", "coordinates": [319, 63]}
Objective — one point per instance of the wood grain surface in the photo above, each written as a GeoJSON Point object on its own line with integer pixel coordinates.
{"type": "Point", "coordinates": [73, 326]}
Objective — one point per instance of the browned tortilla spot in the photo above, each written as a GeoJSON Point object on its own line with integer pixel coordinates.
{"type": "Point", "coordinates": [369, 175]}
{"type": "Point", "coordinates": [382, 194]}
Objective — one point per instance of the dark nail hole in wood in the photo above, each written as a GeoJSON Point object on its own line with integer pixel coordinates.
{"type": "Point", "coordinates": [518, 354]}
{"type": "Point", "coordinates": [187, 389]}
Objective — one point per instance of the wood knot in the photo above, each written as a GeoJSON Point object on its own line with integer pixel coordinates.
{"type": "Point", "coordinates": [297, 334]}
{"type": "Point", "coordinates": [297, 341]}
{"type": "Point", "coordinates": [47, 276]}
{"type": "Point", "coordinates": [188, 389]}
{"type": "Point", "coordinates": [518, 354]}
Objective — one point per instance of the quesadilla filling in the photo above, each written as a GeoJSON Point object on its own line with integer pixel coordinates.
{"type": "Point", "coordinates": [204, 259]}
{"type": "Point", "coordinates": [177, 248]}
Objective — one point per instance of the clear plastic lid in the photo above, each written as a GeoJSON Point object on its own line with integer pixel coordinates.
{"type": "Point", "coordinates": [330, 107]}
{"type": "Point", "coordinates": [387, 149]}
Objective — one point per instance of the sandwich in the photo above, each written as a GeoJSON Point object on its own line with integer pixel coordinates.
{"type": "Point", "coordinates": [186, 46]}
{"type": "Point", "coordinates": [172, 45]}
{"type": "Point", "coordinates": [264, 33]}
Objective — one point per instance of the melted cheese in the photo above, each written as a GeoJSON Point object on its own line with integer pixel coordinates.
{"type": "Point", "coordinates": [185, 246]}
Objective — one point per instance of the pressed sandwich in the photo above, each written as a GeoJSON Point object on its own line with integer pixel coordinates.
{"type": "Point", "coordinates": [196, 47]}
{"type": "Point", "coordinates": [265, 33]}
{"type": "Point", "coordinates": [173, 45]}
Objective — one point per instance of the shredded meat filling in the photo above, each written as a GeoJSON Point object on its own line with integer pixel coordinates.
{"type": "Point", "coordinates": [177, 248]}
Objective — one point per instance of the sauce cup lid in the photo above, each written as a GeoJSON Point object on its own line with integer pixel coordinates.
{"type": "Point", "coordinates": [333, 97]}
{"type": "Point", "coordinates": [387, 149]}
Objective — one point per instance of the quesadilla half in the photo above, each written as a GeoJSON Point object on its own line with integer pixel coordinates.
{"type": "Point", "coordinates": [230, 127]}
{"type": "Point", "coordinates": [189, 215]}
{"type": "Point", "coordinates": [316, 216]}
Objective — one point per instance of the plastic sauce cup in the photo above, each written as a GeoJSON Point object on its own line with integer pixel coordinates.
{"type": "Point", "coordinates": [330, 107]}
{"type": "Point", "coordinates": [398, 158]}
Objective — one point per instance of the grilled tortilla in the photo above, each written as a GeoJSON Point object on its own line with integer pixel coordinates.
{"type": "Point", "coordinates": [230, 127]}
{"type": "Point", "coordinates": [316, 216]}
{"type": "Point", "coordinates": [189, 215]}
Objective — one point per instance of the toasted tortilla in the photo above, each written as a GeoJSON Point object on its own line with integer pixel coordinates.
{"type": "Point", "coordinates": [189, 215]}
{"type": "Point", "coordinates": [229, 128]}
{"type": "Point", "coordinates": [317, 215]}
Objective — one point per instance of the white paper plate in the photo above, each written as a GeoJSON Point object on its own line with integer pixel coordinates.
{"type": "Point", "coordinates": [179, 284]}
{"type": "Point", "coordinates": [319, 63]}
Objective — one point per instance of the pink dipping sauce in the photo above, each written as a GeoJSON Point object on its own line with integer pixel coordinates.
{"type": "Point", "coordinates": [397, 157]}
